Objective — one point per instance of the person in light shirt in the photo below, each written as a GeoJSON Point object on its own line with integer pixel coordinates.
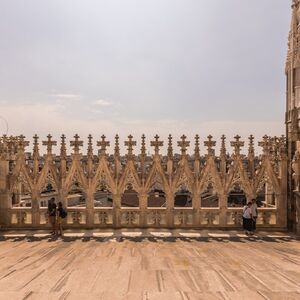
{"type": "Point", "coordinates": [247, 218]}
{"type": "Point", "coordinates": [254, 213]}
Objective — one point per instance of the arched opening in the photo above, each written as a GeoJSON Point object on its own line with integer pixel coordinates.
{"type": "Point", "coordinates": [103, 197]}
{"type": "Point", "coordinates": [130, 197]}
{"type": "Point", "coordinates": [21, 195]}
{"type": "Point", "coordinates": [183, 197]}
{"type": "Point", "coordinates": [76, 196]}
{"type": "Point", "coordinates": [236, 196]}
{"type": "Point", "coordinates": [266, 196]}
{"type": "Point", "coordinates": [156, 196]}
{"type": "Point", "coordinates": [209, 197]}
{"type": "Point", "coordinates": [49, 191]}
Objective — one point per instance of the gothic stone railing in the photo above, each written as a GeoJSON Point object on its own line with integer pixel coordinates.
{"type": "Point", "coordinates": [25, 176]}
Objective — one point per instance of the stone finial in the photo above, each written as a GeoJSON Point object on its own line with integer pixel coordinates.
{"type": "Point", "coordinates": [117, 146]}
{"type": "Point", "coordinates": [130, 144]}
{"type": "Point", "coordinates": [143, 148]}
{"type": "Point", "coordinates": [49, 143]}
{"type": "Point", "coordinates": [63, 148]}
{"type": "Point", "coordinates": [197, 146]}
{"type": "Point", "coordinates": [90, 146]}
{"type": "Point", "coordinates": [156, 144]}
{"type": "Point", "coordinates": [103, 144]}
{"type": "Point", "coordinates": [265, 144]}
{"type": "Point", "coordinates": [22, 144]}
{"type": "Point", "coordinates": [223, 146]}
{"type": "Point", "coordinates": [237, 145]}
{"type": "Point", "coordinates": [36, 147]}
{"type": "Point", "coordinates": [183, 144]}
{"type": "Point", "coordinates": [76, 144]}
{"type": "Point", "coordinates": [210, 144]}
{"type": "Point", "coordinates": [170, 147]}
{"type": "Point", "coordinates": [251, 146]}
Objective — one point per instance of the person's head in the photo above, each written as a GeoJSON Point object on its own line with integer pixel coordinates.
{"type": "Point", "coordinates": [60, 204]}
{"type": "Point", "coordinates": [52, 200]}
{"type": "Point", "coordinates": [249, 204]}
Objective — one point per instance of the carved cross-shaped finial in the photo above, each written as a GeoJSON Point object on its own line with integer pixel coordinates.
{"type": "Point", "coordinates": [63, 148]}
{"type": "Point", "coordinates": [223, 146]}
{"type": "Point", "coordinates": [76, 144]}
{"type": "Point", "coordinates": [237, 144]}
{"type": "Point", "coordinates": [251, 145]}
{"type": "Point", "coordinates": [117, 146]}
{"type": "Point", "coordinates": [156, 144]}
{"type": "Point", "coordinates": [49, 143]}
{"type": "Point", "coordinates": [130, 143]}
{"type": "Point", "coordinates": [143, 148]}
{"type": "Point", "coordinates": [265, 144]}
{"type": "Point", "coordinates": [35, 146]}
{"type": "Point", "coordinates": [103, 144]}
{"type": "Point", "coordinates": [197, 146]}
{"type": "Point", "coordinates": [90, 146]}
{"type": "Point", "coordinates": [170, 147]}
{"type": "Point", "coordinates": [183, 144]}
{"type": "Point", "coordinates": [210, 144]}
{"type": "Point", "coordinates": [22, 144]}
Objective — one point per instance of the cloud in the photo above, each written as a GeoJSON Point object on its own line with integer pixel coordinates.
{"type": "Point", "coordinates": [102, 102]}
{"type": "Point", "coordinates": [66, 96]}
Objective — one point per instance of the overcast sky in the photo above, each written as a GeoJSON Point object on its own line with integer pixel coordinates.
{"type": "Point", "coordinates": [143, 66]}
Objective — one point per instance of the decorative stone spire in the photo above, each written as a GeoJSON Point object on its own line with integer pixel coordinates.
{"type": "Point", "coordinates": [130, 144]}
{"type": "Point", "coordinates": [143, 148]}
{"type": "Point", "coordinates": [210, 144]}
{"type": "Point", "coordinates": [76, 144]}
{"type": "Point", "coordinates": [103, 144]}
{"type": "Point", "coordinates": [63, 148]}
{"type": "Point", "coordinates": [223, 155]}
{"type": "Point", "coordinates": [237, 145]}
{"type": "Point", "coordinates": [90, 147]}
{"type": "Point", "coordinates": [117, 146]}
{"type": "Point", "coordinates": [22, 144]}
{"type": "Point", "coordinates": [170, 147]}
{"type": "Point", "coordinates": [265, 144]}
{"type": "Point", "coordinates": [156, 144]}
{"type": "Point", "coordinates": [251, 156]}
{"type": "Point", "coordinates": [197, 147]}
{"type": "Point", "coordinates": [36, 154]}
{"type": "Point", "coordinates": [49, 143]}
{"type": "Point", "coordinates": [183, 144]}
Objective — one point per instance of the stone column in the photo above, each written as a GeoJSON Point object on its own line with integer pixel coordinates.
{"type": "Point", "coordinates": [35, 208]}
{"type": "Point", "coordinates": [196, 209]}
{"type": "Point", "coordinates": [89, 208]}
{"type": "Point", "coordinates": [117, 210]}
{"type": "Point", "coordinates": [297, 196]}
{"type": "Point", "coordinates": [5, 204]}
{"type": "Point", "coordinates": [170, 209]}
{"type": "Point", "coordinates": [223, 210]}
{"type": "Point", "coordinates": [282, 204]}
{"type": "Point", "coordinates": [143, 197]}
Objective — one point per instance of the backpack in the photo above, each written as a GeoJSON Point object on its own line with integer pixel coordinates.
{"type": "Point", "coordinates": [63, 213]}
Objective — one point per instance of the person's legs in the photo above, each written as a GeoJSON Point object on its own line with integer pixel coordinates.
{"type": "Point", "coordinates": [52, 222]}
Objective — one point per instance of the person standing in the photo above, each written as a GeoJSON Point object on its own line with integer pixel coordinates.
{"type": "Point", "coordinates": [52, 215]}
{"type": "Point", "coordinates": [247, 218]}
{"type": "Point", "coordinates": [254, 213]}
{"type": "Point", "coordinates": [61, 215]}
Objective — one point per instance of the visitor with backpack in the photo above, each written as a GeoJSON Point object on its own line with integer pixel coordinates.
{"type": "Point", "coordinates": [248, 219]}
{"type": "Point", "coordinates": [52, 215]}
{"type": "Point", "coordinates": [61, 215]}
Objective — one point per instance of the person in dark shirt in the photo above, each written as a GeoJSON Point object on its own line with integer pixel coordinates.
{"type": "Point", "coordinates": [61, 215]}
{"type": "Point", "coordinates": [52, 215]}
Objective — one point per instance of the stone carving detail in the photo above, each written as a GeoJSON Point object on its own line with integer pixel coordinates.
{"type": "Point", "coordinates": [147, 175]}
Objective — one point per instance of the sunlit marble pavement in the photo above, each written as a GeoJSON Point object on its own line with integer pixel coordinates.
{"type": "Point", "coordinates": [149, 264]}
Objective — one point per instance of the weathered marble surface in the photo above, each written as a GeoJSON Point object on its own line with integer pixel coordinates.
{"type": "Point", "coordinates": [206, 267]}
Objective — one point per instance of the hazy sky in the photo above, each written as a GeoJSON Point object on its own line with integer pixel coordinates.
{"type": "Point", "coordinates": [143, 66]}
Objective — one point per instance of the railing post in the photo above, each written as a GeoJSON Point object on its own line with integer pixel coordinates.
{"type": "Point", "coordinates": [143, 209]}
{"type": "Point", "coordinates": [35, 208]}
{"type": "Point", "coordinates": [196, 209]}
{"type": "Point", "coordinates": [90, 209]}
{"type": "Point", "coordinates": [116, 210]}
{"type": "Point", "coordinates": [223, 210]}
{"type": "Point", "coordinates": [170, 209]}
{"type": "Point", "coordinates": [4, 194]}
